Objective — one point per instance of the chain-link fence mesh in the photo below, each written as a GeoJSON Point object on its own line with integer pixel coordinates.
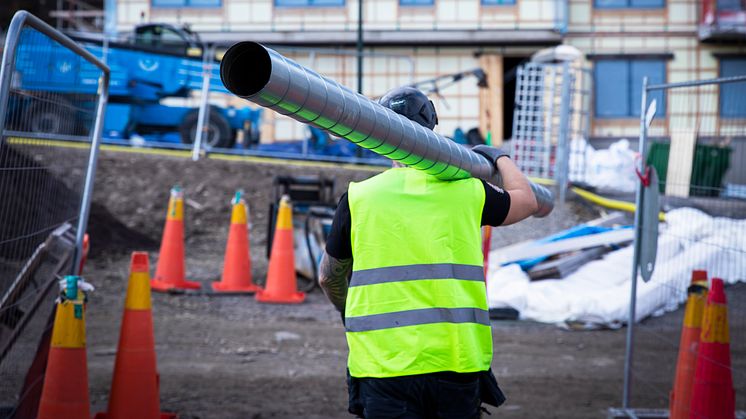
{"type": "Point", "coordinates": [696, 144]}
{"type": "Point", "coordinates": [48, 125]}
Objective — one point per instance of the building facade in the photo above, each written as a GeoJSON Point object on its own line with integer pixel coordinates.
{"type": "Point", "coordinates": [413, 40]}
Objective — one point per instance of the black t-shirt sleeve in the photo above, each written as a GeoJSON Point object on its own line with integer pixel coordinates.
{"type": "Point", "coordinates": [338, 244]}
{"type": "Point", "coordinates": [496, 205]}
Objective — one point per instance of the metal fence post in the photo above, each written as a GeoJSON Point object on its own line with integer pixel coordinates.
{"type": "Point", "coordinates": [563, 143]}
{"type": "Point", "coordinates": [636, 257]}
{"type": "Point", "coordinates": [8, 63]}
{"type": "Point", "coordinates": [204, 112]}
{"type": "Point", "coordinates": [546, 135]}
{"type": "Point", "coordinates": [90, 176]}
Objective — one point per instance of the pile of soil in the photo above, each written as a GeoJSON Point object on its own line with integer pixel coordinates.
{"type": "Point", "coordinates": [134, 189]}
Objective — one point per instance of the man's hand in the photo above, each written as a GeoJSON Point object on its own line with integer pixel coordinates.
{"type": "Point", "coordinates": [492, 153]}
{"type": "Point", "coordinates": [334, 277]}
{"type": "Point", "coordinates": [523, 202]}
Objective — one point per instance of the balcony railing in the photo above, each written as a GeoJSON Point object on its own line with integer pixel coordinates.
{"type": "Point", "coordinates": [723, 20]}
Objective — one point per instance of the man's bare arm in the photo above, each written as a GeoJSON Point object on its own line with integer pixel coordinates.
{"type": "Point", "coordinates": [333, 279]}
{"type": "Point", "coordinates": [522, 200]}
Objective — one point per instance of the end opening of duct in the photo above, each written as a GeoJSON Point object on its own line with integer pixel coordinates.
{"type": "Point", "coordinates": [245, 68]}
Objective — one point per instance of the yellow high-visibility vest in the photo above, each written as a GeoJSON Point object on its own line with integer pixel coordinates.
{"type": "Point", "coordinates": [417, 300]}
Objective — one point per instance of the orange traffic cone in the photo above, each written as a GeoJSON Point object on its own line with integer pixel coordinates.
{"type": "Point", "coordinates": [134, 389]}
{"type": "Point", "coordinates": [65, 390]}
{"type": "Point", "coordinates": [281, 284]}
{"type": "Point", "coordinates": [237, 264]}
{"type": "Point", "coordinates": [713, 396]}
{"type": "Point", "coordinates": [680, 396]}
{"type": "Point", "coordinates": [169, 274]}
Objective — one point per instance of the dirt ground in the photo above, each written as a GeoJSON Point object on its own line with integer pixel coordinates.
{"type": "Point", "coordinates": [230, 357]}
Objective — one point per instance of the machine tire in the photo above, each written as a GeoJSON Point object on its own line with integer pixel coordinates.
{"type": "Point", "coordinates": [55, 119]}
{"type": "Point", "coordinates": [220, 134]}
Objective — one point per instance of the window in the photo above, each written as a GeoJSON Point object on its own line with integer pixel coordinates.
{"type": "Point", "coordinates": [618, 86]}
{"type": "Point", "coordinates": [730, 5]}
{"type": "Point", "coordinates": [497, 2]}
{"type": "Point", "coordinates": [629, 4]}
{"type": "Point", "coordinates": [305, 3]}
{"type": "Point", "coordinates": [732, 104]}
{"type": "Point", "coordinates": [187, 3]}
{"type": "Point", "coordinates": [416, 2]}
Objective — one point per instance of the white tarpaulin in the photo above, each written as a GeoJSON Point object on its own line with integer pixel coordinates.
{"type": "Point", "coordinates": [597, 294]}
{"type": "Point", "coordinates": [607, 170]}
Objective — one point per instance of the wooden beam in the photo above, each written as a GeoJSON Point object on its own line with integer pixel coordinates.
{"type": "Point", "coordinates": [680, 159]}
{"type": "Point", "coordinates": [491, 98]}
{"type": "Point", "coordinates": [560, 268]}
{"type": "Point", "coordinates": [495, 79]}
{"type": "Point", "coordinates": [567, 245]}
{"type": "Point", "coordinates": [484, 102]}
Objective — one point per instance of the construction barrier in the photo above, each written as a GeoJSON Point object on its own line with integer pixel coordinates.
{"type": "Point", "coordinates": [44, 193]}
{"type": "Point", "coordinates": [693, 137]}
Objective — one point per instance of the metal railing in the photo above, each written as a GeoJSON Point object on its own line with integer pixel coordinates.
{"type": "Point", "coordinates": [702, 187]}
{"type": "Point", "coordinates": [46, 184]}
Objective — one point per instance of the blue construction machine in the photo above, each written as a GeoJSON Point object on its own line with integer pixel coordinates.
{"type": "Point", "coordinates": [155, 73]}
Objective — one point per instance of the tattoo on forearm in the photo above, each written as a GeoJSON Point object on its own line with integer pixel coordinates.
{"type": "Point", "coordinates": [333, 279]}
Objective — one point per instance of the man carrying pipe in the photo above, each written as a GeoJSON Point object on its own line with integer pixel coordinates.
{"type": "Point", "coordinates": [403, 263]}
{"type": "Point", "coordinates": [415, 307]}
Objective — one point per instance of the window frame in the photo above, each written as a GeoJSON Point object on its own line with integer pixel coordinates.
{"type": "Point", "coordinates": [722, 58]}
{"type": "Point", "coordinates": [629, 6]}
{"type": "Point", "coordinates": [492, 3]}
{"type": "Point", "coordinates": [633, 108]}
{"type": "Point", "coordinates": [184, 5]}
{"type": "Point", "coordinates": [416, 3]}
{"type": "Point", "coordinates": [309, 3]}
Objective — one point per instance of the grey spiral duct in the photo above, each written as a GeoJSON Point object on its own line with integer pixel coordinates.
{"type": "Point", "coordinates": [263, 76]}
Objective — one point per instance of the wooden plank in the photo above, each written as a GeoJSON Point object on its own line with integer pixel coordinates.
{"type": "Point", "coordinates": [567, 245]}
{"type": "Point", "coordinates": [680, 159]}
{"type": "Point", "coordinates": [560, 268]}
{"type": "Point", "coordinates": [491, 98]}
{"type": "Point", "coordinates": [609, 220]}
{"type": "Point", "coordinates": [495, 80]}
{"type": "Point", "coordinates": [484, 101]}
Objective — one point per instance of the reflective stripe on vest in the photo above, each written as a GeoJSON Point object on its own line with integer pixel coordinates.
{"type": "Point", "coordinates": [417, 298]}
{"type": "Point", "coordinates": [414, 272]}
{"type": "Point", "coordinates": [415, 317]}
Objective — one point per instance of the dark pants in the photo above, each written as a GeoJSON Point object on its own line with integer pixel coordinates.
{"type": "Point", "coordinates": [439, 395]}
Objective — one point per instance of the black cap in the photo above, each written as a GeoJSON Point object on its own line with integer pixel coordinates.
{"type": "Point", "coordinates": [411, 103]}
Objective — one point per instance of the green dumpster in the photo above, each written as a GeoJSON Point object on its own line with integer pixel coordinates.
{"type": "Point", "coordinates": [709, 167]}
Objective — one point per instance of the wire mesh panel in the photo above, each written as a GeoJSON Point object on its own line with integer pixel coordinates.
{"type": "Point", "coordinates": [50, 118]}
{"type": "Point", "coordinates": [698, 148]}
{"type": "Point", "coordinates": [550, 122]}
